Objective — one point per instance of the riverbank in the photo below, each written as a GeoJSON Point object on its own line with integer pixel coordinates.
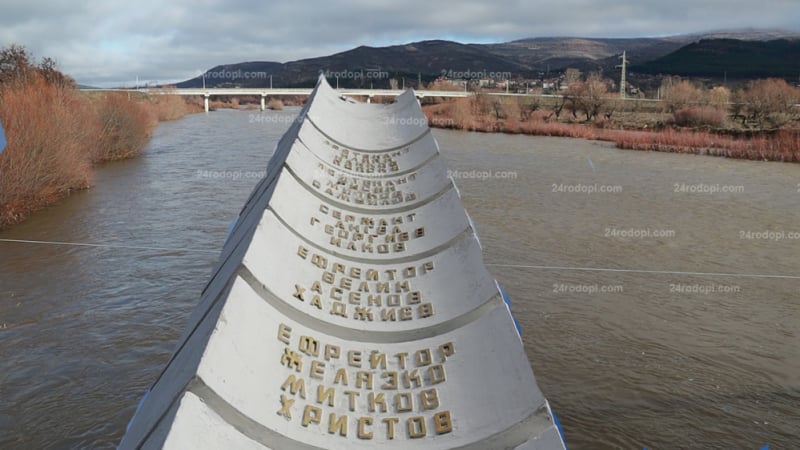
{"type": "Point", "coordinates": [56, 135]}
{"type": "Point", "coordinates": [658, 135]}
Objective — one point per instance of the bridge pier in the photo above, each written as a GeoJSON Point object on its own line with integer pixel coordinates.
{"type": "Point", "coordinates": [205, 102]}
{"type": "Point", "coordinates": [263, 102]}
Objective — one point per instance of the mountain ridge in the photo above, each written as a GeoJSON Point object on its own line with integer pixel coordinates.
{"type": "Point", "coordinates": [734, 58]}
{"type": "Point", "coordinates": [409, 63]}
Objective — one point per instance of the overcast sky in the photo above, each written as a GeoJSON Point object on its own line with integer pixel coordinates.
{"type": "Point", "coordinates": [171, 40]}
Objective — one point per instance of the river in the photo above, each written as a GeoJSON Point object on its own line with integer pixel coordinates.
{"type": "Point", "coordinates": [657, 293]}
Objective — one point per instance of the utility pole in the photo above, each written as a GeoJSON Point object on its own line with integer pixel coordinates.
{"type": "Point", "coordinates": [622, 83]}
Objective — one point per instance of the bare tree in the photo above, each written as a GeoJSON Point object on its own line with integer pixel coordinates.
{"type": "Point", "coordinates": [588, 96]}
{"type": "Point", "coordinates": [719, 97]}
{"type": "Point", "coordinates": [480, 104]}
{"type": "Point", "coordinates": [770, 102]}
{"type": "Point", "coordinates": [497, 108]}
{"type": "Point", "coordinates": [558, 106]}
{"type": "Point", "coordinates": [48, 69]}
{"type": "Point", "coordinates": [594, 95]}
{"type": "Point", "coordinates": [571, 99]}
{"type": "Point", "coordinates": [681, 94]}
{"type": "Point", "coordinates": [738, 103]}
{"type": "Point", "coordinates": [16, 64]}
{"type": "Point", "coordinates": [611, 106]}
{"type": "Point", "coordinates": [527, 107]}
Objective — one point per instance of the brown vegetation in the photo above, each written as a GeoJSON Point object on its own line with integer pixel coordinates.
{"type": "Point", "coordinates": [587, 97]}
{"type": "Point", "coordinates": [55, 133]}
{"type": "Point", "coordinates": [679, 94]}
{"type": "Point", "coordinates": [698, 119]}
{"type": "Point", "coordinates": [47, 155]}
{"type": "Point", "coordinates": [252, 102]}
{"type": "Point", "coordinates": [439, 85]}
{"type": "Point", "coordinates": [782, 146]}
{"type": "Point", "coordinates": [124, 128]}
{"type": "Point", "coordinates": [770, 103]}
{"type": "Point", "coordinates": [699, 116]}
{"type": "Point", "coordinates": [165, 106]}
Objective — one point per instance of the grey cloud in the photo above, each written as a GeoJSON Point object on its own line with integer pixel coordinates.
{"type": "Point", "coordinates": [105, 43]}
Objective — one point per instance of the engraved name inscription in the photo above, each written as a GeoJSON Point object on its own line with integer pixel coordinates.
{"type": "Point", "coordinates": [367, 234]}
{"type": "Point", "coordinates": [364, 191]}
{"type": "Point", "coordinates": [366, 163]}
{"type": "Point", "coordinates": [366, 393]}
{"type": "Point", "coordinates": [364, 293]}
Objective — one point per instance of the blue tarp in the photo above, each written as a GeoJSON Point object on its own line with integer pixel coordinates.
{"type": "Point", "coordinates": [2, 138]}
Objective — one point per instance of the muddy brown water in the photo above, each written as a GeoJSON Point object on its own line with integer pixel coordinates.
{"type": "Point", "coordinates": [658, 294]}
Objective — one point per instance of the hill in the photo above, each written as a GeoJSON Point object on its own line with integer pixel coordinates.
{"type": "Point", "coordinates": [735, 58]}
{"type": "Point", "coordinates": [364, 65]}
{"type": "Point", "coordinates": [587, 54]}
{"type": "Point", "coordinates": [743, 54]}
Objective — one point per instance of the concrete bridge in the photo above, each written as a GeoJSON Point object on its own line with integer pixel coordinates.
{"type": "Point", "coordinates": [368, 94]}
{"type": "Point", "coordinates": [207, 93]}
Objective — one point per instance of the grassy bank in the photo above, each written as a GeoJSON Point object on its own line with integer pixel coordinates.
{"type": "Point", "coordinates": [508, 116]}
{"type": "Point", "coordinates": [56, 134]}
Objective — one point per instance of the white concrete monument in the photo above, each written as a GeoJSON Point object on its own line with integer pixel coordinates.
{"type": "Point", "coordinates": [350, 308]}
